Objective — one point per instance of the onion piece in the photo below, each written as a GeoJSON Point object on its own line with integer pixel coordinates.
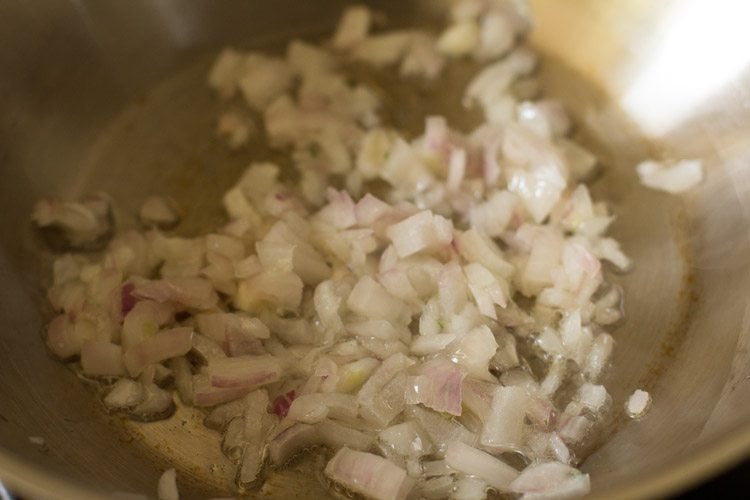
{"type": "Point", "coordinates": [477, 397]}
{"type": "Point", "coordinates": [368, 475]}
{"type": "Point", "coordinates": [551, 480]}
{"type": "Point", "coordinates": [406, 439]}
{"type": "Point", "coordinates": [167, 489]}
{"type": "Point", "coordinates": [290, 441]}
{"type": "Point", "coordinates": [143, 320]}
{"type": "Point", "coordinates": [223, 74]}
{"type": "Point", "coordinates": [504, 428]}
{"type": "Point", "coordinates": [475, 247]}
{"type": "Point", "coordinates": [382, 50]}
{"type": "Point", "coordinates": [496, 36]}
{"type": "Point", "coordinates": [125, 393]}
{"type": "Point", "coordinates": [334, 435]}
{"type": "Point", "coordinates": [440, 430]}
{"type": "Point", "coordinates": [86, 224]}
{"type": "Point", "coordinates": [193, 293]}
{"type": "Point", "coordinates": [378, 404]}
{"type": "Point", "coordinates": [220, 326]}
{"type": "Point", "coordinates": [352, 28]}
{"type": "Point", "coordinates": [437, 385]}
{"type": "Point", "coordinates": [206, 349]}
{"type": "Point", "coordinates": [236, 129]}
{"type": "Point", "coordinates": [263, 79]}
{"type": "Point", "coordinates": [63, 339]}
{"type": "Point", "coordinates": [340, 210]}
{"type": "Point", "coordinates": [459, 39]}
{"type": "Point", "coordinates": [159, 212]}
{"type": "Point", "coordinates": [541, 175]}
{"type": "Point", "coordinates": [593, 397]}
{"type": "Point", "coordinates": [282, 289]}
{"type": "Point", "coordinates": [470, 488]}
{"type": "Point", "coordinates": [485, 289]}
{"type": "Point", "coordinates": [423, 231]}
{"type": "Point", "coordinates": [638, 404]}
{"type": "Point", "coordinates": [474, 462]}
{"type": "Point", "coordinates": [474, 350]}
{"type": "Point", "coordinates": [247, 372]}
{"type": "Point", "coordinates": [377, 328]}
{"type": "Point", "coordinates": [183, 378]}
{"type": "Point", "coordinates": [308, 59]}
{"type": "Point", "coordinates": [162, 346]}
{"type": "Point", "coordinates": [370, 299]}
{"type": "Point", "coordinates": [431, 344]}
{"type": "Point", "coordinates": [676, 177]}
{"type": "Point", "coordinates": [157, 404]}
{"type": "Point", "coordinates": [256, 423]}
{"type": "Point", "coordinates": [494, 80]}
{"type": "Point", "coordinates": [205, 394]}
{"type": "Point", "coordinates": [422, 58]}
{"type": "Point", "coordinates": [313, 408]}
{"type": "Point", "coordinates": [437, 487]}
{"type": "Point", "coordinates": [353, 375]}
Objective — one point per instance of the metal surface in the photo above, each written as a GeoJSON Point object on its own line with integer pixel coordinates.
{"type": "Point", "coordinates": [110, 95]}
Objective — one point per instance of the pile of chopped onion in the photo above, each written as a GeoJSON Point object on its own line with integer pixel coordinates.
{"type": "Point", "coordinates": [445, 337]}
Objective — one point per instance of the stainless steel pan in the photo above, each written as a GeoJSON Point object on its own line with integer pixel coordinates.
{"type": "Point", "coordinates": [110, 95]}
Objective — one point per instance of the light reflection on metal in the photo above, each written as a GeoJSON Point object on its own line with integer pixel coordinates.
{"type": "Point", "coordinates": [691, 62]}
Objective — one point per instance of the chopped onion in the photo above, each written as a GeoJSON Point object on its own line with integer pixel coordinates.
{"type": "Point", "coordinates": [157, 404]}
{"type": "Point", "coordinates": [550, 480]}
{"type": "Point", "coordinates": [85, 224]}
{"type": "Point", "coordinates": [160, 347]}
{"type": "Point", "coordinates": [422, 58]}
{"type": "Point", "coordinates": [313, 408]}
{"type": "Point", "coordinates": [353, 375]}
{"type": "Point", "coordinates": [307, 59]}
{"type": "Point", "coordinates": [290, 441]}
{"type": "Point", "coordinates": [370, 299]}
{"type": "Point", "coordinates": [673, 178]}
{"type": "Point", "coordinates": [353, 27]}
{"type": "Point", "coordinates": [193, 293]}
{"type": "Point", "coordinates": [504, 428]}
{"type": "Point", "coordinates": [368, 475]}
{"type": "Point", "coordinates": [125, 393]}
{"type": "Point", "coordinates": [470, 488]}
{"type": "Point", "coordinates": [593, 397]}
{"type": "Point", "coordinates": [441, 430]}
{"type": "Point", "coordinates": [183, 378]}
{"type": "Point", "coordinates": [638, 404]}
{"type": "Point", "coordinates": [419, 232]}
{"type": "Point", "coordinates": [437, 385]}
{"type": "Point", "coordinates": [63, 339]}
{"type": "Point", "coordinates": [377, 404]}
{"type": "Point", "coordinates": [459, 39]}
{"type": "Point", "coordinates": [205, 394]}
{"type": "Point", "coordinates": [437, 487]}
{"type": "Point", "coordinates": [474, 462]}
{"type": "Point", "coordinates": [406, 439]}
{"type": "Point", "coordinates": [382, 50]}
{"type": "Point", "coordinates": [335, 435]}
{"type": "Point", "coordinates": [280, 288]}
{"type": "Point", "coordinates": [144, 319]}
{"type": "Point", "coordinates": [456, 315]}
{"type": "Point", "coordinates": [167, 489]}
{"type": "Point", "coordinates": [160, 212]}
{"type": "Point", "coordinates": [474, 350]}
{"type": "Point", "coordinates": [247, 372]}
